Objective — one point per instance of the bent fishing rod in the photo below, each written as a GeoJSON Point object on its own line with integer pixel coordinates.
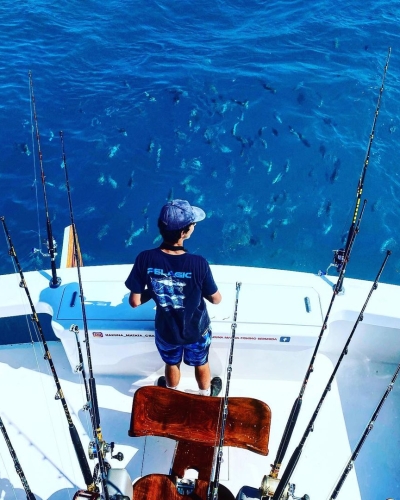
{"type": "Point", "coordinates": [17, 465]}
{"type": "Point", "coordinates": [338, 254]}
{"type": "Point", "coordinates": [83, 463]}
{"type": "Point", "coordinates": [98, 447]}
{"type": "Point", "coordinates": [55, 281]}
{"type": "Point", "coordinates": [364, 436]}
{"type": "Point", "coordinates": [310, 427]}
{"type": "Point", "coordinates": [269, 483]}
{"type": "Point", "coordinates": [213, 490]}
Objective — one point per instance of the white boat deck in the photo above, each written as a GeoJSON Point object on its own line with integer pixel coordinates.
{"type": "Point", "coordinates": [38, 429]}
{"type": "Point", "coordinates": [275, 338]}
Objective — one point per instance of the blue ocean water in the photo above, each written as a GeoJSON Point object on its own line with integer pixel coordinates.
{"type": "Point", "coordinates": [258, 112]}
{"type": "Point", "coordinates": [205, 102]}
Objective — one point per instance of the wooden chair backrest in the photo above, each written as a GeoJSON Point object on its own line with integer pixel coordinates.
{"type": "Point", "coordinates": [157, 411]}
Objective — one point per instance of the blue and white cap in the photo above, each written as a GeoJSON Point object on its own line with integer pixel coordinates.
{"type": "Point", "coordinates": [178, 214]}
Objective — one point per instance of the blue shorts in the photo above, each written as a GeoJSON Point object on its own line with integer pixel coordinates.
{"type": "Point", "coordinates": [195, 354]}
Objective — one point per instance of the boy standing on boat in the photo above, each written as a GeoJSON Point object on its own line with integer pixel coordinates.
{"type": "Point", "coordinates": [178, 282]}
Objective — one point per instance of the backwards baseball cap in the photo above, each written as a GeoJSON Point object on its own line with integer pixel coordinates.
{"type": "Point", "coordinates": [178, 214]}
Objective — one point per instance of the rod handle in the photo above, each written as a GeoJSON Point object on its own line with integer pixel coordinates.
{"type": "Point", "coordinates": [288, 473]}
{"type": "Point", "coordinates": [80, 453]}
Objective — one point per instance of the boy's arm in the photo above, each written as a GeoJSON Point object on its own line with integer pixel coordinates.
{"type": "Point", "coordinates": [137, 299]}
{"type": "Point", "coordinates": [215, 298]}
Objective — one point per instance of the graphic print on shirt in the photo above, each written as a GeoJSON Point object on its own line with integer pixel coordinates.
{"type": "Point", "coordinates": [169, 291]}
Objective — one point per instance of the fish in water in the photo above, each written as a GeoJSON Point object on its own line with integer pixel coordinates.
{"type": "Point", "coordinates": [122, 203]}
{"type": "Point", "coordinates": [150, 97]}
{"type": "Point", "coordinates": [101, 180]}
{"type": "Point", "coordinates": [328, 207]}
{"type": "Point", "coordinates": [113, 150]}
{"type": "Point", "coordinates": [278, 178]}
{"type": "Point", "coordinates": [275, 132]}
{"type": "Point", "coordinates": [268, 223]}
{"type": "Point", "coordinates": [269, 88]}
{"type": "Point", "coordinates": [103, 231]}
{"type": "Point", "coordinates": [130, 181]}
{"type": "Point", "coordinates": [280, 197]}
{"type": "Point", "coordinates": [261, 130]}
{"type": "Point", "coordinates": [122, 131]}
{"type": "Point", "coordinates": [328, 121]}
{"type": "Point", "coordinates": [23, 147]}
{"type": "Point", "coordinates": [286, 166]}
{"type": "Point", "coordinates": [234, 128]}
{"type": "Point", "coordinates": [322, 150]}
{"type": "Point", "coordinates": [181, 135]}
{"type": "Point", "coordinates": [334, 175]}
{"type": "Point", "coordinates": [299, 136]}
{"type": "Point", "coordinates": [89, 210]}
{"type": "Point", "coordinates": [267, 164]}
{"type": "Point", "coordinates": [277, 117]}
{"type": "Point", "coordinates": [158, 157]}
{"type": "Point", "coordinates": [150, 147]}
{"type": "Point", "coordinates": [270, 208]}
{"type": "Point", "coordinates": [176, 95]}
{"type": "Point", "coordinates": [146, 224]}
{"type": "Point", "coordinates": [136, 233]}
{"type": "Point", "coordinates": [301, 97]}
{"type": "Point", "coordinates": [390, 243]}
{"type": "Point", "coordinates": [112, 182]}
{"type": "Point", "coordinates": [157, 239]}
{"type": "Point", "coordinates": [245, 104]}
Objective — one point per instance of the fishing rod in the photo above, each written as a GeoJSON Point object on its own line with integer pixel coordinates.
{"type": "Point", "coordinates": [339, 254]}
{"type": "Point", "coordinates": [97, 448]}
{"type": "Point", "coordinates": [83, 463]}
{"type": "Point", "coordinates": [310, 427]}
{"type": "Point", "coordinates": [270, 483]}
{"type": "Point", "coordinates": [368, 429]}
{"type": "Point", "coordinates": [17, 465]}
{"type": "Point", "coordinates": [51, 243]}
{"type": "Point", "coordinates": [81, 366]}
{"type": "Point", "coordinates": [213, 490]}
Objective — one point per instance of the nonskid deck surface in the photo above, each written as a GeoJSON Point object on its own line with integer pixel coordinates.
{"type": "Point", "coordinates": [38, 429]}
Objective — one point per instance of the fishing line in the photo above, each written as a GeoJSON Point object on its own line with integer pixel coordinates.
{"type": "Point", "coordinates": [51, 244]}
{"type": "Point", "coordinates": [364, 436]}
{"type": "Point", "coordinates": [8, 476]}
{"type": "Point", "coordinates": [223, 415]}
{"type": "Point", "coordinates": [34, 345]}
{"type": "Point", "coordinates": [34, 171]}
{"type": "Point", "coordinates": [98, 448]}
{"type": "Point", "coordinates": [270, 482]}
{"type": "Point", "coordinates": [59, 395]}
{"type": "Point", "coordinates": [17, 465]}
{"type": "Point", "coordinates": [360, 185]}
{"type": "Point", "coordinates": [310, 427]}
{"type": "Point", "coordinates": [44, 457]}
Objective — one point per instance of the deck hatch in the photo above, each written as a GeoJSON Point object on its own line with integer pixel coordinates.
{"type": "Point", "coordinates": [103, 301]}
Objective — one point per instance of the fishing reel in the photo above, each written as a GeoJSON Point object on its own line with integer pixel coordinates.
{"type": "Point", "coordinates": [338, 261]}
{"type": "Point", "coordinates": [43, 254]}
{"type": "Point", "coordinates": [104, 448]}
{"type": "Point", "coordinates": [269, 485]}
{"type": "Point", "coordinates": [86, 495]}
{"type": "Point", "coordinates": [267, 491]}
{"type": "Point", "coordinates": [185, 486]}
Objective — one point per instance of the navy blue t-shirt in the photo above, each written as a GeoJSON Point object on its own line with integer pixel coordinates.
{"type": "Point", "coordinates": [178, 284]}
